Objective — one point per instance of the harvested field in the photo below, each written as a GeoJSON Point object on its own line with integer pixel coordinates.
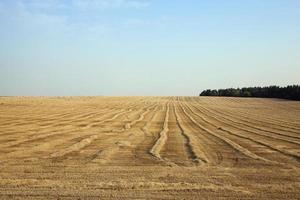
{"type": "Point", "coordinates": [149, 148]}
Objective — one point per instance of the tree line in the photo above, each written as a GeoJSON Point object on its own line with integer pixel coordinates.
{"type": "Point", "coordinates": [289, 92]}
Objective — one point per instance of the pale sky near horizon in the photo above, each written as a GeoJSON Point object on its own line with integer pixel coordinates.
{"type": "Point", "coordinates": [146, 47]}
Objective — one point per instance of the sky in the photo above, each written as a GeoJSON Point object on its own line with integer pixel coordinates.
{"type": "Point", "coordinates": [146, 47]}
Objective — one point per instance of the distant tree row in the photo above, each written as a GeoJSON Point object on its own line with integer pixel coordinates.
{"type": "Point", "coordinates": [289, 92]}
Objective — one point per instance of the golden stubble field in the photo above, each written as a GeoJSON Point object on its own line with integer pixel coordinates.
{"type": "Point", "coordinates": [149, 148]}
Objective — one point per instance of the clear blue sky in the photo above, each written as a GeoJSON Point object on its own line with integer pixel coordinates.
{"type": "Point", "coordinates": [146, 47]}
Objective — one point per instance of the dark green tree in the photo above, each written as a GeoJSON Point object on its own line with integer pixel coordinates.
{"type": "Point", "coordinates": [289, 92]}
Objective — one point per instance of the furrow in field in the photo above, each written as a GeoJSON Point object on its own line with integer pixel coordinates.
{"type": "Point", "coordinates": [36, 130]}
{"type": "Point", "coordinates": [97, 122]}
{"type": "Point", "coordinates": [21, 121]}
{"type": "Point", "coordinates": [43, 136]}
{"type": "Point", "coordinates": [252, 118]}
{"type": "Point", "coordinates": [254, 146]}
{"type": "Point", "coordinates": [141, 117]}
{"type": "Point", "coordinates": [151, 132]}
{"type": "Point", "coordinates": [260, 149]}
{"type": "Point", "coordinates": [277, 143]}
{"type": "Point", "coordinates": [256, 116]}
{"type": "Point", "coordinates": [219, 124]}
{"type": "Point", "coordinates": [215, 151]}
{"type": "Point", "coordinates": [248, 123]}
{"type": "Point", "coordinates": [123, 148]}
{"type": "Point", "coordinates": [192, 146]}
{"type": "Point", "coordinates": [121, 111]}
{"type": "Point", "coordinates": [260, 132]}
{"type": "Point", "coordinates": [83, 149]}
{"type": "Point", "coordinates": [118, 150]}
{"type": "Point", "coordinates": [160, 142]}
{"type": "Point", "coordinates": [229, 142]}
{"type": "Point", "coordinates": [75, 147]}
{"type": "Point", "coordinates": [251, 110]}
{"type": "Point", "coordinates": [176, 149]}
{"type": "Point", "coordinates": [59, 143]}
